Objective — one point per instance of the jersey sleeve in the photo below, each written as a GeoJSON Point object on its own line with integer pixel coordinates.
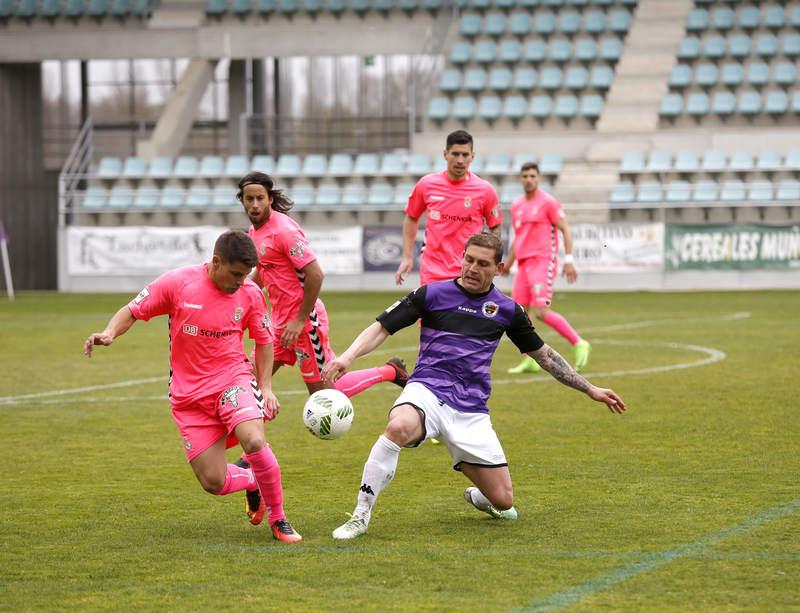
{"type": "Point", "coordinates": [258, 324]}
{"type": "Point", "coordinates": [554, 211]}
{"type": "Point", "coordinates": [404, 312]}
{"type": "Point", "coordinates": [416, 201]}
{"type": "Point", "coordinates": [491, 210]}
{"type": "Point", "coordinates": [522, 334]}
{"type": "Point", "coordinates": [296, 247]}
{"type": "Point", "coordinates": [155, 299]}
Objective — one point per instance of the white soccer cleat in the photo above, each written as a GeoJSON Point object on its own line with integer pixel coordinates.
{"type": "Point", "coordinates": [353, 527]}
{"type": "Point", "coordinates": [508, 514]}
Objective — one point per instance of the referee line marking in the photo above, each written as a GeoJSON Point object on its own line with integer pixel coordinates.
{"type": "Point", "coordinates": [609, 579]}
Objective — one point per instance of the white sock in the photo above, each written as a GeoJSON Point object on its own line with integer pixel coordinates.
{"type": "Point", "coordinates": [378, 472]}
{"type": "Point", "coordinates": [479, 500]}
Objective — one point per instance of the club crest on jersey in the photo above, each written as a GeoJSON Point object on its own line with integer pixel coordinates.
{"type": "Point", "coordinates": [489, 309]}
{"type": "Point", "coordinates": [467, 202]}
{"type": "Point", "coordinates": [231, 396]}
{"type": "Point", "coordinates": [298, 249]}
{"type": "Point", "coordinates": [187, 444]}
{"type": "Point", "coordinates": [237, 313]}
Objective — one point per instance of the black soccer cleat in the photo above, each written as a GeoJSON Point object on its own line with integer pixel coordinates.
{"type": "Point", "coordinates": [400, 372]}
{"type": "Point", "coordinates": [282, 531]}
{"type": "Point", "coordinates": [254, 506]}
{"type": "Point", "coordinates": [242, 463]}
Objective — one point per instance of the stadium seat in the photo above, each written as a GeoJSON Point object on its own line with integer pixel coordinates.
{"type": "Point", "coordinates": [74, 8]}
{"type": "Point", "coordinates": [263, 163]}
{"type": "Point", "coordinates": [550, 164]}
{"type": "Point", "coordinates": [186, 167]}
{"type": "Point", "coordinates": [49, 8]}
{"type": "Point", "coordinates": [594, 22]}
{"type": "Point", "coordinates": [619, 21]}
{"type": "Point", "coordinates": [525, 79]}
{"type": "Point", "coordinates": [340, 165]}
{"type": "Point", "coordinates": [776, 103]}
{"type": "Point", "coordinates": [288, 165]}
{"type": "Point", "coordinates": [722, 18]}
{"type": "Point", "coordinates": [520, 159]}
{"type": "Point", "coordinates": [774, 17]}
{"type": "Point", "coordinates": [723, 103]}
{"type": "Point", "coordinates": [509, 51]}
{"type": "Point", "coordinates": [732, 74]}
{"type": "Point", "coordinates": [760, 191]}
{"type": "Point", "coordinates": [160, 168]}
{"type": "Point", "coordinates": [241, 7]}
{"type": "Point", "coordinates": [515, 108]}
{"type": "Point", "coordinates": [569, 22]}
{"type": "Point", "coordinates": [470, 25]}
{"type": "Point", "coordinates": [632, 162]}
{"type": "Point", "coordinates": [792, 160]}
{"type": "Point", "coordinates": [741, 160]}
{"type": "Point", "coordinates": [766, 45]}
{"type": "Point", "coordinates": [550, 78]}
{"type": "Point", "coordinates": [354, 195]}
{"type": "Point", "coordinates": [223, 195]}
{"type": "Point", "coordinates": [464, 108]}
{"type": "Point", "coordinates": [236, 166]}
{"type": "Point", "coordinates": [484, 52]}
{"type": "Point", "coordinates": [687, 161]}
{"type": "Point", "coordinates": [199, 196]}
{"type": "Point", "coordinates": [314, 165]}
{"type": "Point", "coordinates": [585, 50]}
{"type": "Point", "coordinates": [566, 107]}
{"type": "Point", "coordinates": [494, 25]}
{"type": "Point", "coordinates": [419, 164]}
{"type": "Point", "coordinates": [796, 102]}
{"type": "Point", "coordinates": [211, 166]}
{"type": "Point", "coordinates": [591, 106]}
{"type": "Point", "coordinates": [749, 18]}
{"type": "Point", "coordinates": [519, 24]}
{"type": "Point", "coordinates": [785, 74]}
{"type": "Point", "coordinates": [475, 80]}
{"type": "Point", "coordinates": [601, 78]}
{"type": "Point", "coordinates": [697, 104]}
{"type": "Point", "coordinates": [541, 107]}
{"type": "Point", "coordinates": [678, 191]}
{"type": "Point", "coordinates": [794, 16]}
{"type": "Point", "coordinates": [450, 80]}
{"type": "Point", "coordinates": [172, 197]}
{"type": "Point", "coordinates": [366, 164]}
{"type": "Point", "coordinates": [623, 192]}
{"type": "Point", "coordinates": [790, 45]}
{"type": "Point", "coordinates": [121, 197]}
{"type": "Point", "coordinates": [706, 75]}
{"type": "Point", "coordinates": [769, 160]}
{"type": "Point", "coordinates": [705, 191]}
{"type": "Point", "coordinates": [739, 46]}
{"type": "Point", "coordinates": [576, 78]}
{"type": "Point", "coordinates": [383, 6]}
{"type": "Point", "coordinates": [439, 109]}
{"type": "Point", "coordinates": [497, 164]}
{"type": "Point", "coordinates": [680, 76]}
{"type": "Point", "coordinates": [95, 197]}
{"type": "Point", "coordinates": [534, 51]}
{"type": "Point", "coordinates": [659, 161]}
{"type": "Point", "coordinates": [610, 49]}
{"type": "Point", "coordinates": [559, 51]}
{"type": "Point", "coordinates": [788, 189]}
{"type": "Point", "coordinates": [733, 190]}
{"type": "Point", "coordinates": [109, 168]}
{"type": "Point", "coordinates": [490, 108]}
{"type": "Point", "coordinates": [302, 194]}
{"type": "Point", "coordinates": [671, 105]}
{"type": "Point", "coordinates": [500, 79]}
{"type": "Point", "coordinates": [134, 168]}
{"type": "Point", "coordinates": [147, 197]}
{"type": "Point", "coordinates": [649, 191]}
{"type": "Point", "coordinates": [460, 53]}
{"type": "Point", "coordinates": [328, 195]}
{"type": "Point", "coordinates": [544, 23]}
{"type": "Point", "coordinates": [697, 20]}
{"type": "Point", "coordinates": [714, 47]}
{"type": "Point", "coordinates": [401, 193]}
{"type": "Point", "coordinates": [216, 8]}
{"type": "Point", "coordinates": [336, 7]}
{"type": "Point", "coordinates": [392, 164]}
{"type": "Point", "coordinates": [689, 48]}
{"type": "Point", "coordinates": [98, 8]}
{"type": "Point", "coordinates": [758, 74]}
{"type": "Point", "coordinates": [749, 103]}
{"type": "Point", "coordinates": [509, 192]}
{"type": "Point", "coordinates": [380, 195]}
{"type": "Point", "coordinates": [714, 161]}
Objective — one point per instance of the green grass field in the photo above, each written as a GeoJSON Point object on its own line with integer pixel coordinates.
{"type": "Point", "coordinates": [690, 501]}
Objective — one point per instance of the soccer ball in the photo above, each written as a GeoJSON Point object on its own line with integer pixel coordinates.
{"type": "Point", "coordinates": [328, 414]}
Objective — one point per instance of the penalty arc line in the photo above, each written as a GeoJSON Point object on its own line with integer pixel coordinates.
{"type": "Point", "coordinates": [607, 580]}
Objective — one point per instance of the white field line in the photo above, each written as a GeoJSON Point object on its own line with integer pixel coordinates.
{"type": "Point", "coordinates": [713, 355]}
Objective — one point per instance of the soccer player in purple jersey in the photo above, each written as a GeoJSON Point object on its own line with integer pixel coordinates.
{"type": "Point", "coordinates": [446, 396]}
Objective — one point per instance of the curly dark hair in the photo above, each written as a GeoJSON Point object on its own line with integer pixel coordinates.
{"type": "Point", "coordinates": [280, 201]}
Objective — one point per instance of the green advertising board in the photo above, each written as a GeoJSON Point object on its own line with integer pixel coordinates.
{"type": "Point", "coordinates": [731, 247]}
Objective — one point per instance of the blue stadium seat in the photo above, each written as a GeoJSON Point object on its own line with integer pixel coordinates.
{"type": "Point", "coordinates": [541, 107]}
{"type": "Point", "coordinates": [74, 8]}
{"type": "Point", "coordinates": [623, 192]}
{"type": "Point", "coordinates": [785, 74]}
{"type": "Point", "coordinates": [450, 80]}
{"type": "Point", "coordinates": [697, 20]}
{"type": "Point", "coordinates": [199, 196]}
{"type": "Point", "coordinates": [585, 50]}
{"type": "Point", "coordinates": [160, 168]}
{"type": "Point", "coordinates": [241, 7]}
{"type": "Point", "coordinates": [706, 75]}
{"type": "Point", "coordinates": [509, 192]}
{"type": "Point", "coordinates": [303, 195]}
{"type": "Point", "coordinates": [266, 7]}
{"type": "Point", "coordinates": [768, 160]}
{"type": "Point", "coordinates": [109, 168]}
{"type": "Point", "coordinates": [732, 74]}
{"type": "Point", "coordinates": [705, 191]}
{"type": "Point", "coordinates": [794, 16]}
{"type": "Point", "coordinates": [470, 25]}
{"type": "Point", "coordinates": [476, 165]}
{"type": "Point", "coordinates": [464, 108]}
{"type": "Point", "coordinates": [497, 164]}
{"type": "Point", "coordinates": [236, 166]}
{"type": "Point", "coordinates": [659, 161]}
{"type": "Point", "coordinates": [460, 52]}
{"type": "Point", "coordinates": [147, 197]}
{"type": "Point", "coordinates": [760, 191]}
{"type": "Point", "coordinates": [288, 165]}
{"type": "Point", "coordinates": [687, 161]}
{"type": "Point", "coordinates": [515, 108]}
{"type": "Point", "coordinates": [550, 164]}
{"type": "Point", "coordinates": [723, 18]}
{"type": "Point", "coordinates": [749, 17]}
{"type": "Point", "coordinates": [520, 159]}
{"type": "Point", "coordinates": [500, 79]}
{"type": "Point", "coordinates": [328, 195]}
{"type": "Point", "coordinates": [494, 25]}
{"type": "Point", "coordinates": [591, 106]}
{"type": "Point", "coordinates": [714, 47]}
{"type": "Point", "coordinates": [714, 161]}
{"type": "Point", "coordinates": [490, 108]}
{"type": "Point", "coordinates": [263, 163]}
{"type": "Point", "coordinates": [475, 80]}
{"type": "Point", "coordinates": [509, 51]}
{"type": "Point", "coordinates": [439, 109]}
{"type": "Point", "coordinates": [576, 77]}
{"type": "Point", "coordinates": [774, 17]}
{"type": "Point", "coordinates": [758, 74]}
{"type": "Point", "coordinates": [223, 195]}
{"type": "Point", "coordinates": [610, 49]}
{"type": "Point", "coordinates": [559, 50]}
{"type": "Point", "coordinates": [172, 197]}
{"type": "Point", "coordinates": [186, 167]}
{"type": "Point", "coordinates": [594, 22]}
{"type": "Point", "coordinates": [383, 6]}
{"type": "Point", "coordinates": [776, 102]}
{"type": "Point", "coordinates": [525, 79]}
{"type": "Point", "coordinates": [380, 195]}
{"type": "Point", "coordinates": [733, 190]}
{"type": "Point", "coordinates": [741, 160]}
{"type": "Point", "coordinates": [566, 107]}
{"type": "Point", "coordinates": [569, 22]}
{"type": "Point", "coordinates": [354, 195]}
{"type": "Point", "coordinates": [796, 102]}
{"type": "Point", "coordinates": [678, 191]}
{"type": "Point", "coordinates": [788, 189]}
{"type": "Point", "coordinates": [632, 162]}
{"type": "Point", "coordinates": [689, 48]}
{"type": "Point", "coordinates": [341, 164]}
{"type": "Point", "coordinates": [366, 164]}
{"type": "Point", "coordinates": [211, 166]}
{"type": "Point", "coordinates": [697, 104]}
{"type": "Point", "coordinates": [619, 21]}
{"type": "Point", "coordinates": [723, 103]}
{"type": "Point", "coordinates": [419, 164]}
{"type": "Point", "coordinates": [749, 103]}
{"type": "Point", "coordinates": [49, 8]}
{"type": "Point", "coordinates": [314, 165]}
{"type": "Point", "coordinates": [401, 193]}
{"type": "Point", "coordinates": [671, 105]}
{"type": "Point", "coordinates": [792, 160]}
{"type": "Point", "coordinates": [95, 197]}
{"type": "Point", "coordinates": [766, 45]}
{"type": "Point", "coordinates": [680, 76]}
{"type": "Point", "coordinates": [392, 164]}
{"type": "Point", "coordinates": [484, 52]}
{"type": "Point", "coordinates": [519, 24]}
{"type": "Point", "coordinates": [336, 7]}
{"type": "Point", "coordinates": [649, 191]}
{"type": "Point", "coordinates": [97, 9]}
{"type": "Point", "coordinates": [535, 51]}
{"type": "Point", "coordinates": [739, 46]}
{"type": "Point", "coordinates": [121, 197]}
{"type": "Point", "coordinates": [550, 78]}
{"type": "Point", "coordinates": [601, 77]}
{"type": "Point", "coordinates": [544, 23]}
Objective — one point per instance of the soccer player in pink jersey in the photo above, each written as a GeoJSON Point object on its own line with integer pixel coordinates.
{"type": "Point", "coordinates": [457, 203]}
{"type": "Point", "coordinates": [288, 269]}
{"type": "Point", "coordinates": [537, 217]}
{"type": "Point", "coordinates": [216, 402]}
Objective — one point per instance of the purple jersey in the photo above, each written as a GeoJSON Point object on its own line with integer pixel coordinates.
{"type": "Point", "coordinates": [459, 335]}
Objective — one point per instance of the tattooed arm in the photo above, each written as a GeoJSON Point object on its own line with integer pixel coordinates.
{"type": "Point", "coordinates": [550, 360]}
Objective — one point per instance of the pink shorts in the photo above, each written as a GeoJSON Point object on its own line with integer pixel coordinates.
{"type": "Point", "coordinates": [534, 283]}
{"type": "Point", "coordinates": [203, 422]}
{"type": "Point", "coordinates": [312, 349]}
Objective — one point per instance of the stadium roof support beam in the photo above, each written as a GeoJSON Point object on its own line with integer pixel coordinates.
{"type": "Point", "coordinates": [175, 123]}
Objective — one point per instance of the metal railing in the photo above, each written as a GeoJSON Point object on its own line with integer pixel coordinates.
{"type": "Point", "coordinates": [73, 176]}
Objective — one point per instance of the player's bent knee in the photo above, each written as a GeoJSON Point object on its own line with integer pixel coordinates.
{"type": "Point", "coordinates": [403, 430]}
{"type": "Point", "coordinates": [213, 484]}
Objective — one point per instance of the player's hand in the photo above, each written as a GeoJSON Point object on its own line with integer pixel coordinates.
{"type": "Point", "coordinates": [333, 370]}
{"type": "Point", "coordinates": [291, 333]}
{"type": "Point", "coordinates": [570, 273]}
{"type": "Point", "coordinates": [607, 396]}
{"type": "Point", "coordinates": [406, 265]}
{"type": "Point", "coordinates": [271, 405]}
{"type": "Point", "coordinates": [98, 338]}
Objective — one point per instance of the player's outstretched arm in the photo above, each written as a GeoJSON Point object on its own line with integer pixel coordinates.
{"type": "Point", "coordinates": [551, 361]}
{"type": "Point", "coordinates": [118, 325]}
{"type": "Point", "coordinates": [370, 339]}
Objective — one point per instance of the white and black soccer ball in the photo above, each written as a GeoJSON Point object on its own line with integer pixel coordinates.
{"type": "Point", "coordinates": [328, 414]}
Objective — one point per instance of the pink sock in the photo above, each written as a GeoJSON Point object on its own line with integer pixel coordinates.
{"type": "Point", "coordinates": [265, 467]}
{"type": "Point", "coordinates": [561, 325]}
{"type": "Point", "coordinates": [356, 382]}
{"type": "Point", "coordinates": [238, 479]}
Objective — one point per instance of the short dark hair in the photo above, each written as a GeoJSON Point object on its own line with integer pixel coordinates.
{"type": "Point", "coordinates": [459, 137]}
{"type": "Point", "coordinates": [235, 246]}
{"type": "Point", "coordinates": [488, 240]}
{"type": "Point", "coordinates": [530, 166]}
{"type": "Point", "coordinates": [280, 201]}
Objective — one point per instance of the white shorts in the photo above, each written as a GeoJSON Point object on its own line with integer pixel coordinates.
{"type": "Point", "coordinates": [469, 437]}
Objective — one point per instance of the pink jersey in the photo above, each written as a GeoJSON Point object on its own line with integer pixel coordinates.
{"type": "Point", "coordinates": [206, 328]}
{"type": "Point", "coordinates": [456, 211]}
{"type": "Point", "coordinates": [283, 251]}
{"type": "Point", "coordinates": [535, 232]}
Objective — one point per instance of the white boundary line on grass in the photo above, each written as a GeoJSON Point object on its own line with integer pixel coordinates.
{"type": "Point", "coordinates": [714, 355]}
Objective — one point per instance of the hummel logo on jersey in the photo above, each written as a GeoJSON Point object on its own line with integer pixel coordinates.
{"type": "Point", "coordinates": [437, 197]}
{"type": "Point", "coordinates": [189, 305]}
{"type": "Point", "coordinates": [367, 489]}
